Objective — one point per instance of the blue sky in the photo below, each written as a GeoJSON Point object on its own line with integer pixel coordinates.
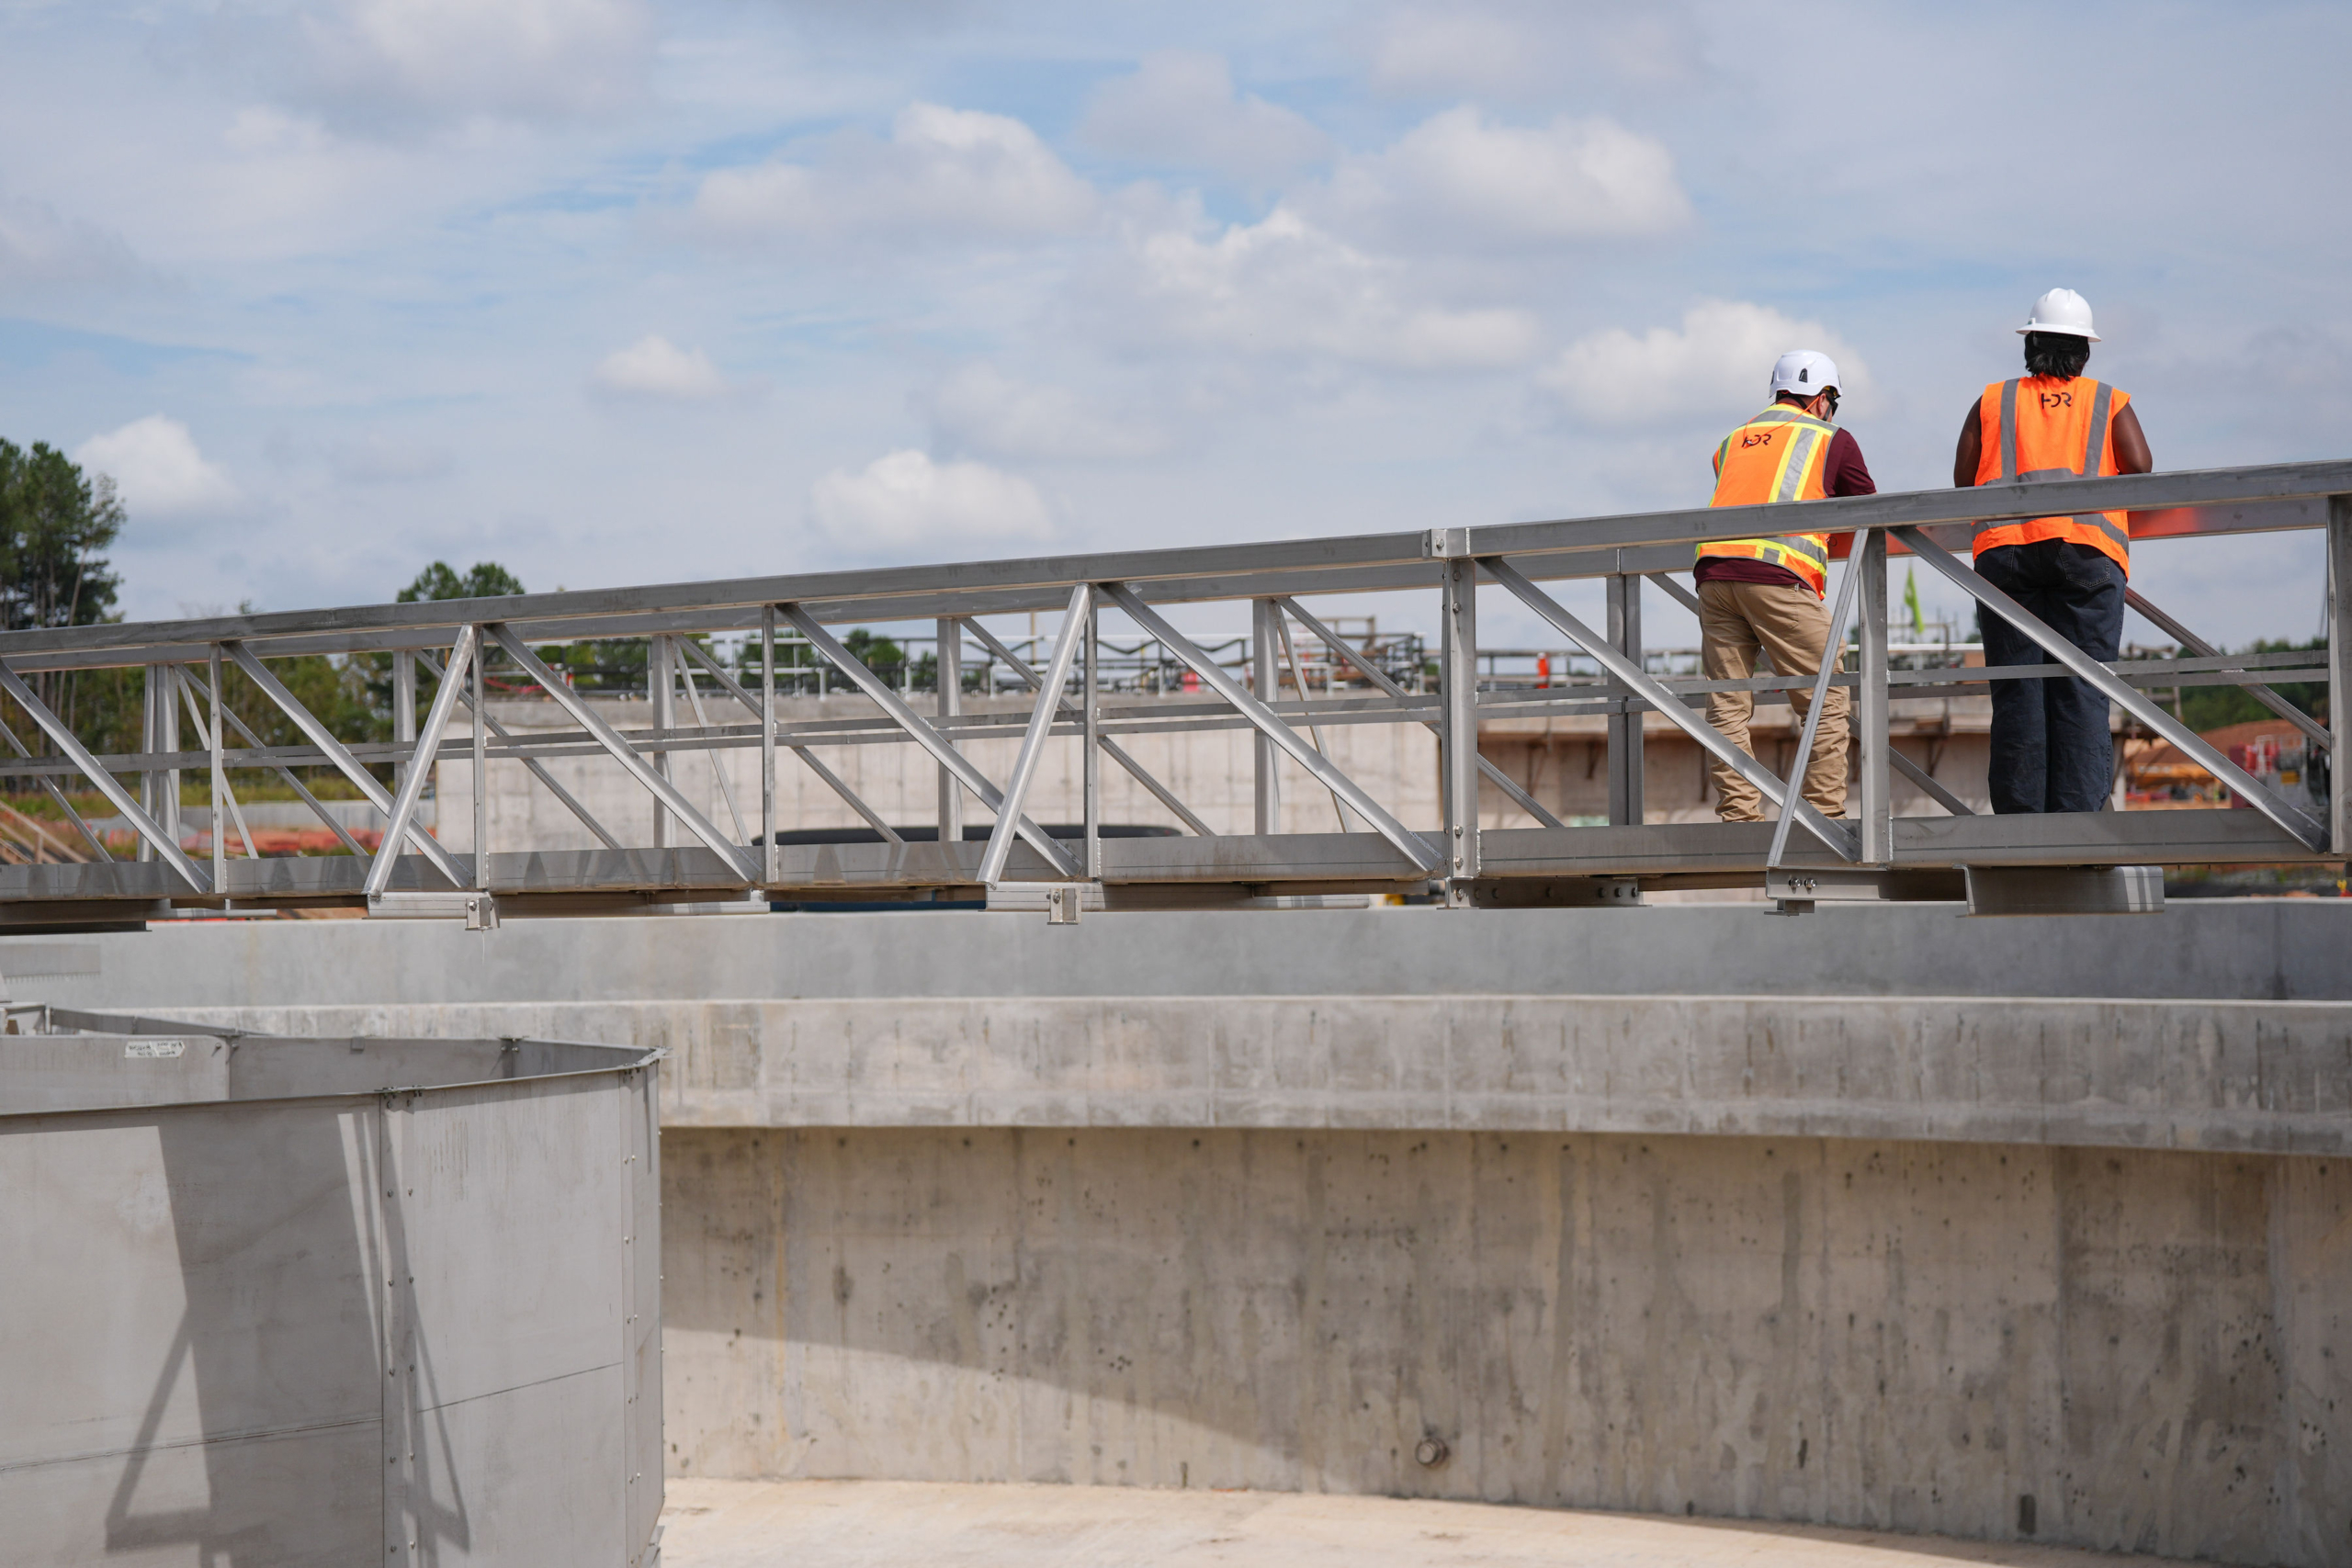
{"type": "Point", "coordinates": [612, 291]}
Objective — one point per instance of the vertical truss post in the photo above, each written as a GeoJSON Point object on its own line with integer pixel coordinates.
{"type": "Point", "coordinates": [1625, 770]}
{"type": "Point", "coordinates": [151, 790]}
{"type": "Point", "coordinates": [1265, 679]}
{"type": "Point", "coordinates": [70, 747]}
{"type": "Point", "coordinates": [403, 709]}
{"type": "Point", "coordinates": [463, 657]}
{"type": "Point", "coordinates": [1877, 805]}
{"type": "Point", "coordinates": [1033, 742]}
{"type": "Point", "coordinates": [162, 786]}
{"type": "Point", "coordinates": [661, 688]}
{"type": "Point", "coordinates": [197, 712]}
{"type": "Point", "coordinates": [1092, 741]}
{"type": "Point", "coordinates": [220, 781]}
{"type": "Point", "coordinates": [482, 769]}
{"type": "Point", "coordinates": [767, 743]}
{"type": "Point", "coordinates": [2339, 672]}
{"type": "Point", "coordinates": [1458, 731]}
{"type": "Point", "coordinates": [950, 663]}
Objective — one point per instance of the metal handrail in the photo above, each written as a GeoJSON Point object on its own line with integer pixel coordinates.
{"type": "Point", "coordinates": [1627, 551]}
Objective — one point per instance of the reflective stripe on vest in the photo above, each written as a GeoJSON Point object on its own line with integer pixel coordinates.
{"type": "Point", "coordinates": [2107, 530]}
{"type": "Point", "coordinates": [1763, 468]}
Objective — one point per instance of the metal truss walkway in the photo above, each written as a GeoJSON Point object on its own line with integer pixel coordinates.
{"type": "Point", "coordinates": [691, 859]}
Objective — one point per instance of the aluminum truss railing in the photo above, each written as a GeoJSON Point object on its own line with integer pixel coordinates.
{"type": "Point", "coordinates": [693, 859]}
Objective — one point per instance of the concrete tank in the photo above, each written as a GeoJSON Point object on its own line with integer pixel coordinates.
{"type": "Point", "coordinates": [274, 1299]}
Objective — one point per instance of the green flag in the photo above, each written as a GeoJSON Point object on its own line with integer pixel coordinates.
{"type": "Point", "coordinates": [1911, 601]}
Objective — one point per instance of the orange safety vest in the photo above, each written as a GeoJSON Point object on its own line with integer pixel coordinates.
{"type": "Point", "coordinates": [1780, 455]}
{"type": "Point", "coordinates": [2041, 428]}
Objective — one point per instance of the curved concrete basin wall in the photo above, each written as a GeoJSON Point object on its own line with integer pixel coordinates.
{"type": "Point", "coordinates": [2032, 1229]}
{"type": "Point", "coordinates": [307, 1300]}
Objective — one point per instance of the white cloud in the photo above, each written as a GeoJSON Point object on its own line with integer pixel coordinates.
{"type": "Point", "coordinates": [904, 500]}
{"type": "Point", "coordinates": [1458, 177]}
{"type": "Point", "coordinates": [157, 470]}
{"type": "Point", "coordinates": [653, 366]}
{"type": "Point", "coordinates": [1716, 365]}
{"type": "Point", "coordinates": [979, 409]}
{"type": "Point", "coordinates": [464, 59]}
{"type": "Point", "coordinates": [1284, 287]}
{"type": "Point", "coordinates": [943, 172]}
{"type": "Point", "coordinates": [1179, 109]}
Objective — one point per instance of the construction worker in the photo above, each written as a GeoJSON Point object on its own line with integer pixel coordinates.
{"type": "Point", "coordinates": [1767, 594]}
{"type": "Point", "coordinates": [2052, 749]}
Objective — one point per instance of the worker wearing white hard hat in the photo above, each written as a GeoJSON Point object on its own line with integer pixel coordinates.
{"type": "Point", "coordinates": [1764, 594]}
{"type": "Point", "coordinates": [2052, 749]}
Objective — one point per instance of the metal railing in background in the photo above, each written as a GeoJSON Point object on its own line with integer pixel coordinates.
{"type": "Point", "coordinates": [1294, 680]}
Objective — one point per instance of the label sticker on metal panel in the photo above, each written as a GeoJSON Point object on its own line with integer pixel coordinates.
{"type": "Point", "coordinates": [153, 1049]}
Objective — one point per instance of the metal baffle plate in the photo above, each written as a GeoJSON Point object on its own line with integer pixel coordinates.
{"type": "Point", "coordinates": [2066, 890]}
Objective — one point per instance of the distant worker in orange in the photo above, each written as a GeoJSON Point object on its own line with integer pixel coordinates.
{"type": "Point", "coordinates": [1766, 593]}
{"type": "Point", "coordinates": [2052, 749]}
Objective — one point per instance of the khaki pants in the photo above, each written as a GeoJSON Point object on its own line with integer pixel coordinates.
{"type": "Point", "coordinates": [1791, 624]}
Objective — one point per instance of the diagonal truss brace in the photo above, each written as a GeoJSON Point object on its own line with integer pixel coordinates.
{"type": "Point", "coordinates": [929, 740]}
{"type": "Point", "coordinates": [538, 769]}
{"type": "Point", "coordinates": [121, 799]}
{"type": "Point", "coordinates": [1373, 673]}
{"type": "Point", "coordinates": [1927, 782]}
{"type": "Point", "coordinates": [420, 773]}
{"type": "Point", "coordinates": [300, 790]}
{"type": "Point", "coordinates": [833, 781]}
{"type": "Point", "coordinates": [2136, 703]}
{"type": "Point", "coordinates": [1269, 724]}
{"type": "Point", "coordinates": [2199, 646]}
{"type": "Point", "coordinates": [621, 751]}
{"type": "Point", "coordinates": [1790, 801]}
{"type": "Point", "coordinates": [1111, 749]}
{"type": "Point", "coordinates": [1075, 621]}
{"type": "Point", "coordinates": [1833, 652]}
{"type": "Point", "coordinates": [57, 795]}
{"type": "Point", "coordinates": [320, 737]}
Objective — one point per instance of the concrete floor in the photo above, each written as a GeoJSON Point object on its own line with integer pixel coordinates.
{"type": "Point", "coordinates": [882, 1524]}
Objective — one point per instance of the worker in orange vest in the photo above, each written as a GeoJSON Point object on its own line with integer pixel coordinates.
{"type": "Point", "coordinates": [1766, 593]}
{"type": "Point", "coordinates": [2052, 749]}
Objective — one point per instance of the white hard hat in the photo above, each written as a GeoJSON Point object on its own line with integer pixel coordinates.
{"type": "Point", "coordinates": [2061, 311]}
{"type": "Point", "coordinates": [1805, 372]}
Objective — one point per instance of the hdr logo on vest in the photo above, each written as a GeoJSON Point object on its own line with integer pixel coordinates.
{"type": "Point", "coordinates": [1757, 438]}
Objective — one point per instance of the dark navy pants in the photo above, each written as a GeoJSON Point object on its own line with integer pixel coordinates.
{"type": "Point", "coordinates": [2052, 748]}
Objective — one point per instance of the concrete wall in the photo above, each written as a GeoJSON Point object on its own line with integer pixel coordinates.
{"type": "Point", "coordinates": [2288, 949]}
{"type": "Point", "coordinates": [1879, 1217]}
{"type": "Point", "coordinates": [2115, 1349]}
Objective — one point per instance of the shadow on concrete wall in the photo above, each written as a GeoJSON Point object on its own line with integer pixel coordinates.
{"type": "Point", "coordinates": [2128, 1350]}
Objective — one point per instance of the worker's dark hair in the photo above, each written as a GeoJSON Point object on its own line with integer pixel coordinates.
{"type": "Point", "coordinates": [2062, 355]}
